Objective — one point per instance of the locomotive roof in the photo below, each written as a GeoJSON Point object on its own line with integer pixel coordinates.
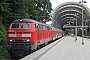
{"type": "Point", "coordinates": [29, 20]}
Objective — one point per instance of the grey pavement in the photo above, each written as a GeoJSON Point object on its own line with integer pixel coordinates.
{"type": "Point", "coordinates": [65, 48]}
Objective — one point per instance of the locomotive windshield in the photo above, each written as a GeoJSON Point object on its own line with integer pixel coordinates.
{"type": "Point", "coordinates": [25, 25]}
{"type": "Point", "coordinates": [15, 25]}
{"type": "Point", "coordinates": [22, 25]}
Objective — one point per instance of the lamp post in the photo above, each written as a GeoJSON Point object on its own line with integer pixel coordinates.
{"type": "Point", "coordinates": [82, 22]}
{"type": "Point", "coordinates": [85, 29]}
{"type": "Point", "coordinates": [76, 27]}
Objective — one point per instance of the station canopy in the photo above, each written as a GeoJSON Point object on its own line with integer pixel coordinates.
{"type": "Point", "coordinates": [66, 13]}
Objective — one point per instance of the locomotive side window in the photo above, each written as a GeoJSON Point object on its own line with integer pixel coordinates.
{"type": "Point", "coordinates": [48, 28]}
{"type": "Point", "coordinates": [41, 27]}
{"type": "Point", "coordinates": [36, 26]}
{"type": "Point", "coordinates": [25, 25]}
{"type": "Point", "coordinates": [15, 25]}
{"type": "Point", "coordinates": [45, 27]}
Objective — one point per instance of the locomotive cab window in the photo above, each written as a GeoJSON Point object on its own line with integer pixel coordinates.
{"type": "Point", "coordinates": [25, 25]}
{"type": "Point", "coordinates": [15, 25]}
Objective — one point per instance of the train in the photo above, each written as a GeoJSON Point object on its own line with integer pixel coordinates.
{"type": "Point", "coordinates": [27, 35]}
{"type": "Point", "coordinates": [79, 32]}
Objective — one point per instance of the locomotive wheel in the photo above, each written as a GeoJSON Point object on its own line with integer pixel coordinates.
{"type": "Point", "coordinates": [17, 53]}
{"type": "Point", "coordinates": [38, 47]}
{"type": "Point", "coordinates": [28, 52]}
{"type": "Point", "coordinates": [35, 50]}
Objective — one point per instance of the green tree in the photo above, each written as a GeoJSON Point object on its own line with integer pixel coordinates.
{"type": "Point", "coordinates": [20, 9]}
{"type": "Point", "coordinates": [3, 41]}
{"type": "Point", "coordinates": [4, 8]}
{"type": "Point", "coordinates": [43, 9]}
{"type": "Point", "coordinates": [17, 9]}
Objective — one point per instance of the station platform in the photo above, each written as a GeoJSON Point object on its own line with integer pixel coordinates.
{"type": "Point", "coordinates": [66, 48]}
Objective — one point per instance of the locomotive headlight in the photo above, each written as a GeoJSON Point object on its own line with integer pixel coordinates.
{"type": "Point", "coordinates": [11, 40]}
{"type": "Point", "coordinates": [27, 40]}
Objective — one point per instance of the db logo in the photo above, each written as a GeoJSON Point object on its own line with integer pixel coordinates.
{"type": "Point", "coordinates": [19, 35]}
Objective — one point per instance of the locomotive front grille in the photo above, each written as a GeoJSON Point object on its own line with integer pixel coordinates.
{"type": "Point", "coordinates": [19, 40]}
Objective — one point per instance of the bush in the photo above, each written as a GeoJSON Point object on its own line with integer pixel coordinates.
{"type": "Point", "coordinates": [88, 37]}
{"type": "Point", "coordinates": [3, 52]}
{"type": "Point", "coordinates": [3, 41]}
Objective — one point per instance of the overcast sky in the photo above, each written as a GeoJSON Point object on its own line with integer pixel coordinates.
{"type": "Point", "coordinates": [55, 3]}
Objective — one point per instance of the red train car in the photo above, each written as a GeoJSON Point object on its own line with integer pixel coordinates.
{"type": "Point", "coordinates": [25, 35]}
{"type": "Point", "coordinates": [57, 33]}
{"type": "Point", "coordinates": [79, 32]}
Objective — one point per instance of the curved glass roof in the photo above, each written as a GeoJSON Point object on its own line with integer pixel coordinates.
{"type": "Point", "coordinates": [66, 13]}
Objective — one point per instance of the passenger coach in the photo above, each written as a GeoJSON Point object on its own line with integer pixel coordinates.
{"type": "Point", "coordinates": [57, 33]}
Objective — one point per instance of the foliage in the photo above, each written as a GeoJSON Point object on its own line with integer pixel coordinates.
{"type": "Point", "coordinates": [3, 41]}
{"type": "Point", "coordinates": [18, 9]}
{"type": "Point", "coordinates": [4, 8]}
{"type": "Point", "coordinates": [43, 9]}
{"type": "Point", "coordinates": [88, 37]}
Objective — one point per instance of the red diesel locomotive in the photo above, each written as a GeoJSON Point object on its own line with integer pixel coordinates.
{"type": "Point", "coordinates": [26, 35]}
